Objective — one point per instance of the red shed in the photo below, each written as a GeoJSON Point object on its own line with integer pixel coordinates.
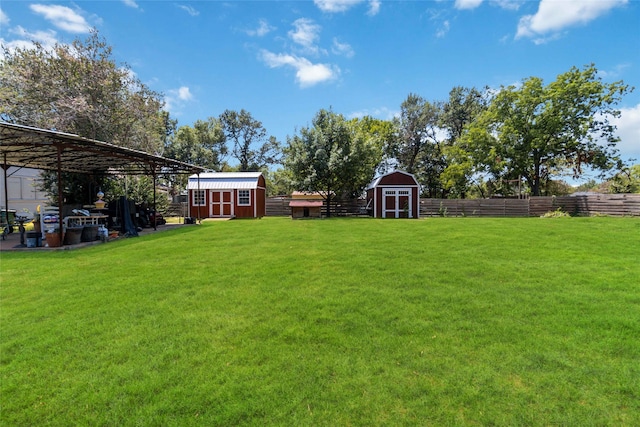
{"type": "Point", "coordinates": [227, 194]}
{"type": "Point", "coordinates": [394, 195]}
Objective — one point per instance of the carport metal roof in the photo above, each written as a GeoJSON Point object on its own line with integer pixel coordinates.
{"type": "Point", "coordinates": [25, 146]}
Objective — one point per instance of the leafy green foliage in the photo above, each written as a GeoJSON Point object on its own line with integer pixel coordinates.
{"type": "Point", "coordinates": [416, 127]}
{"type": "Point", "coordinates": [626, 181]}
{"type": "Point", "coordinates": [533, 131]}
{"type": "Point", "coordinates": [278, 182]}
{"type": "Point", "coordinates": [558, 213]}
{"type": "Point", "coordinates": [462, 108]}
{"type": "Point", "coordinates": [245, 132]}
{"type": "Point", "coordinates": [79, 88]}
{"type": "Point", "coordinates": [333, 157]}
{"type": "Point", "coordinates": [138, 189]}
{"type": "Point", "coordinates": [202, 144]}
{"type": "Point", "coordinates": [441, 164]}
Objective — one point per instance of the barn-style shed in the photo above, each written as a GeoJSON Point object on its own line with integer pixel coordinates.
{"type": "Point", "coordinates": [227, 195]}
{"type": "Point", "coordinates": [394, 195]}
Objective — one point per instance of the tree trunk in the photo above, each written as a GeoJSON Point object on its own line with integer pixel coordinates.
{"type": "Point", "coordinates": [535, 182]}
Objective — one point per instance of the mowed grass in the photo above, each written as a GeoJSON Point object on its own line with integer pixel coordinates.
{"type": "Point", "coordinates": [443, 321]}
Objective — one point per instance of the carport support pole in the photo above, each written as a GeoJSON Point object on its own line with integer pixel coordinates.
{"type": "Point", "coordinates": [60, 201]}
{"type": "Point", "coordinates": [6, 191]}
{"type": "Point", "coordinates": [155, 211]}
{"type": "Point", "coordinates": [199, 217]}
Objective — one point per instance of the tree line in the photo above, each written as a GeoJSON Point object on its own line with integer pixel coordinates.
{"type": "Point", "coordinates": [476, 143]}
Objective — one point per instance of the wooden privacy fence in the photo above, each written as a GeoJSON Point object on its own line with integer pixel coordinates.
{"type": "Point", "coordinates": [599, 204]}
{"type": "Point", "coordinates": [279, 206]}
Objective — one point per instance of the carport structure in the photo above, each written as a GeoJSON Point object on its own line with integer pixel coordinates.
{"type": "Point", "coordinates": [24, 146]}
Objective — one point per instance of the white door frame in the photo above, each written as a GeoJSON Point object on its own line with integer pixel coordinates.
{"type": "Point", "coordinates": [221, 203]}
{"type": "Point", "coordinates": [396, 193]}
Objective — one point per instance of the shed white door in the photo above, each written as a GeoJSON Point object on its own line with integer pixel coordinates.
{"type": "Point", "coordinates": [396, 203]}
{"type": "Point", "coordinates": [221, 203]}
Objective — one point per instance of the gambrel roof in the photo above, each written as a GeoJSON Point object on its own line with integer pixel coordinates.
{"type": "Point", "coordinates": [381, 179]}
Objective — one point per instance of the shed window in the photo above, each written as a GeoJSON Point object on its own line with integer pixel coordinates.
{"type": "Point", "coordinates": [198, 197]}
{"type": "Point", "coordinates": [243, 198]}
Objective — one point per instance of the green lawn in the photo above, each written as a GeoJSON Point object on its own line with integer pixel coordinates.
{"type": "Point", "coordinates": [440, 321]}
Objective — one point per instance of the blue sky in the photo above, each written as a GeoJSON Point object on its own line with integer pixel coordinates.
{"type": "Point", "coordinates": [284, 60]}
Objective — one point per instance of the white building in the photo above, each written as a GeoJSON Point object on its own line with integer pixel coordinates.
{"type": "Point", "coordinates": [22, 190]}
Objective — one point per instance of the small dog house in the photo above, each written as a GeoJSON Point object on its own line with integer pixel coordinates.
{"type": "Point", "coordinates": [306, 205]}
{"type": "Point", "coordinates": [394, 195]}
{"type": "Point", "coordinates": [227, 195]}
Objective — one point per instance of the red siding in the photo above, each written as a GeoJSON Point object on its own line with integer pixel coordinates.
{"type": "Point", "coordinates": [261, 200]}
{"type": "Point", "coordinates": [397, 178]}
{"type": "Point", "coordinates": [238, 211]}
{"type": "Point", "coordinates": [398, 181]}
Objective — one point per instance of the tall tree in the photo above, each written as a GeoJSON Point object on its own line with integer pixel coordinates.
{"type": "Point", "coordinates": [417, 147]}
{"type": "Point", "coordinates": [251, 147]}
{"type": "Point", "coordinates": [202, 144]}
{"type": "Point", "coordinates": [533, 131]}
{"type": "Point", "coordinates": [79, 88]}
{"type": "Point", "coordinates": [379, 134]}
{"type": "Point", "coordinates": [331, 157]}
{"type": "Point", "coordinates": [463, 106]}
{"type": "Point", "coordinates": [416, 127]}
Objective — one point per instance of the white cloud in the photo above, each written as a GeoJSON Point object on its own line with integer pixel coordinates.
{"type": "Point", "coordinates": [177, 98]}
{"type": "Point", "coordinates": [337, 6]}
{"type": "Point", "coordinates": [307, 73]}
{"type": "Point", "coordinates": [382, 113]}
{"type": "Point", "coordinates": [62, 17]}
{"type": "Point", "coordinates": [4, 19]}
{"type": "Point", "coordinates": [306, 33]}
{"type": "Point", "coordinates": [184, 94]}
{"type": "Point", "coordinates": [467, 4]}
{"type": "Point", "coordinates": [614, 73]}
{"type": "Point", "coordinates": [508, 4]}
{"type": "Point", "coordinates": [131, 3]}
{"type": "Point", "coordinates": [343, 49]}
{"type": "Point", "coordinates": [503, 4]}
{"type": "Point", "coordinates": [26, 39]}
{"type": "Point", "coordinates": [443, 30]}
{"type": "Point", "coordinates": [554, 16]}
{"type": "Point", "coordinates": [374, 7]}
{"type": "Point", "coordinates": [628, 125]}
{"type": "Point", "coordinates": [334, 6]}
{"type": "Point", "coordinates": [263, 29]}
{"type": "Point", "coordinates": [190, 10]}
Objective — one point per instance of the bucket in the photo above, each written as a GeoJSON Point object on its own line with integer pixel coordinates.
{"type": "Point", "coordinates": [73, 236]}
{"type": "Point", "coordinates": [33, 238]}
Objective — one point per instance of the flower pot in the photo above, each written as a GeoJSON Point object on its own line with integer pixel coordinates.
{"type": "Point", "coordinates": [89, 233]}
{"type": "Point", "coordinates": [53, 239]}
{"type": "Point", "coordinates": [73, 236]}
